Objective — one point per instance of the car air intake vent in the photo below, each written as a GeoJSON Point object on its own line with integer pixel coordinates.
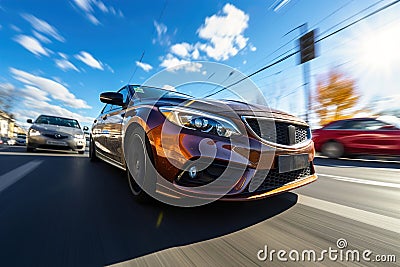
{"type": "Point", "coordinates": [274, 179]}
{"type": "Point", "coordinates": [278, 132]}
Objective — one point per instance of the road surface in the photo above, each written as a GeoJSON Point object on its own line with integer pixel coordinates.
{"type": "Point", "coordinates": [59, 209]}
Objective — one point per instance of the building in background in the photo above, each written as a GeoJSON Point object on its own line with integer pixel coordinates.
{"type": "Point", "coordinates": [8, 128]}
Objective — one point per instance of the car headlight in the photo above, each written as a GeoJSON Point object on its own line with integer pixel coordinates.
{"type": "Point", "coordinates": [79, 136]}
{"type": "Point", "coordinates": [199, 120]}
{"type": "Point", "coordinates": [34, 132]}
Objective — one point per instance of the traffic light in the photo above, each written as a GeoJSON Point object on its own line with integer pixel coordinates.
{"type": "Point", "coordinates": [307, 47]}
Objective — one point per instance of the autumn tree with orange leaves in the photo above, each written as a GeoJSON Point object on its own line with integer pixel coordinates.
{"type": "Point", "coordinates": [335, 98]}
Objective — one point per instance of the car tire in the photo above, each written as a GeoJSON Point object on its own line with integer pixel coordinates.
{"type": "Point", "coordinates": [332, 149]}
{"type": "Point", "coordinates": [30, 149]}
{"type": "Point", "coordinates": [92, 151]}
{"type": "Point", "coordinates": [139, 166]}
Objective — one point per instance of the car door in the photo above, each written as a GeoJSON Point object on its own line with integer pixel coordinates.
{"type": "Point", "coordinates": [99, 136]}
{"type": "Point", "coordinates": [357, 138]}
{"type": "Point", "coordinates": [368, 136]}
{"type": "Point", "coordinates": [112, 124]}
{"type": "Point", "coordinates": [384, 136]}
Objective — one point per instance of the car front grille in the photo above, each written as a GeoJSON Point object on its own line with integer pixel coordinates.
{"type": "Point", "coordinates": [273, 179]}
{"type": "Point", "coordinates": [56, 136]}
{"type": "Point", "coordinates": [279, 132]}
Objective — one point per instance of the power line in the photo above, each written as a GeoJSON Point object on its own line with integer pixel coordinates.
{"type": "Point", "coordinates": [354, 15]}
{"type": "Point", "coordinates": [140, 61]}
{"type": "Point", "coordinates": [319, 40]}
{"type": "Point", "coordinates": [333, 13]}
{"type": "Point", "coordinates": [293, 39]}
{"type": "Point", "coordinates": [154, 31]}
{"type": "Point", "coordinates": [360, 19]}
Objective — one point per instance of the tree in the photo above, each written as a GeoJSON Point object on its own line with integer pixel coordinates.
{"type": "Point", "coordinates": [7, 97]}
{"type": "Point", "coordinates": [335, 98]}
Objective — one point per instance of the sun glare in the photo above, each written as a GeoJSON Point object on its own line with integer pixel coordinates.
{"type": "Point", "coordinates": [379, 51]}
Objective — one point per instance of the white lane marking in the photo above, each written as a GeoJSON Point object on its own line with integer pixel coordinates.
{"type": "Point", "coordinates": [377, 220]}
{"type": "Point", "coordinates": [395, 160]}
{"type": "Point", "coordinates": [13, 176]}
{"type": "Point", "coordinates": [42, 154]}
{"type": "Point", "coordinates": [360, 181]}
{"type": "Point", "coordinates": [364, 168]}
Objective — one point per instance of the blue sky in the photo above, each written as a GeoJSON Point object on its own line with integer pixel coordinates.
{"type": "Point", "coordinates": [58, 56]}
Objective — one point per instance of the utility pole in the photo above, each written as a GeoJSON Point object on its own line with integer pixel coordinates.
{"type": "Point", "coordinates": [307, 53]}
{"type": "Point", "coordinates": [306, 77]}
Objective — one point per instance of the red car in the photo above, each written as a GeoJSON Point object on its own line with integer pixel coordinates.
{"type": "Point", "coordinates": [357, 136]}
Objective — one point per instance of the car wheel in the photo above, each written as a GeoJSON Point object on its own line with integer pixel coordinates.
{"type": "Point", "coordinates": [30, 149]}
{"type": "Point", "coordinates": [139, 166]}
{"type": "Point", "coordinates": [92, 151]}
{"type": "Point", "coordinates": [333, 149]}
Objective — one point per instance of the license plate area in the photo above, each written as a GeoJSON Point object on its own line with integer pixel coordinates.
{"type": "Point", "coordinates": [287, 163]}
{"type": "Point", "coordinates": [56, 143]}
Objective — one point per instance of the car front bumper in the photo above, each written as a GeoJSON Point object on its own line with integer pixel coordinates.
{"type": "Point", "coordinates": [44, 142]}
{"type": "Point", "coordinates": [175, 152]}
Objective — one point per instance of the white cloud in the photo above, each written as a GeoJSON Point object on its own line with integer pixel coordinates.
{"type": "Point", "coordinates": [41, 37]}
{"type": "Point", "coordinates": [146, 67]}
{"type": "Point", "coordinates": [160, 28]}
{"type": "Point", "coordinates": [89, 60]}
{"type": "Point", "coordinates": [89, 7]}
{"type": "Point", "coordinates": [169, 87]}
{"type": "Point", "coordinates": [65, 65]}
{"type": "Point", "coordinates": [31, 44]}
{"type": "Point", "coordinates": [93, 19]}
{"type": "Point", "coordinates": [162, 37]}
{"type": "Point", "coordinates": [55, 89]}
{"type": "Point", "coordinates": [85, 5]}
{"type": "Point", "coordinates": [15, 28]}
{"type": "Point", "coordinates": [182, 49]}
{"type": "Point", "coordinates": [102, 6]}
{"type": "Point", "coordinates": [195, 54]}
{"type": "Point", "coordinates": [43, 27]}
{"type": "Point", "coordinates": [35, 93]}
{"type": "Point", "coordinates": [64, 56]}
{"type": "Point", "coordinates": [6, 88]}
{"type": "Point", "coordinates": [172, 63]}
{"type": "Point", "coordinates": [224, 33]}
{"type": "Point", "coordinates": [109, 68]}
{"type": "Point", "coordinates": [252, 47]}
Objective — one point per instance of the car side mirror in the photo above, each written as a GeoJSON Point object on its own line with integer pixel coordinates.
{"type": "Point", "coordinates": [29, 121]}
{"type": "Point", "coordinates": [112, 98]}
{"type": "Point", "coordinates": [85, 128]}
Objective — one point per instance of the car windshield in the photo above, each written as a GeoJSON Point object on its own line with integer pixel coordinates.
{"type": "Point", "coordinates": [58, 121]}
{"type": "Point", "coordinates": [143, 92]}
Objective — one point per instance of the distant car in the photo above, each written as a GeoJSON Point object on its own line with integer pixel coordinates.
{"type": "Point", "coordinates": [20, 140]}
{"type": "Point", "coordinates": [7, 141]}
{"type": "Point", "coordinates": [357, 136]}
{"type": "Point", "coordinates": [51, 132]}
{"type": "Point", "coordinates": [11, 141]}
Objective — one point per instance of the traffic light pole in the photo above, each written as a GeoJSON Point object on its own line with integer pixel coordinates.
{"type": "Point", "coordinates": [306, 78]}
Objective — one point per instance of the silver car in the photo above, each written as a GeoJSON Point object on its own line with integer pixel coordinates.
{"type": "Point", "coordinates": [50, 132]}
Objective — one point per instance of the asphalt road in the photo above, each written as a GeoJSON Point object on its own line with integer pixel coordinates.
{"type": "Point", "coordinates": [59, 209]}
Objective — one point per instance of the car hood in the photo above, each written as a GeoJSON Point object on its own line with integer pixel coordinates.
{"type": "Point", "coordinates": [229, 107]}
{"type": "Point", "coordinates": [56, 129]}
